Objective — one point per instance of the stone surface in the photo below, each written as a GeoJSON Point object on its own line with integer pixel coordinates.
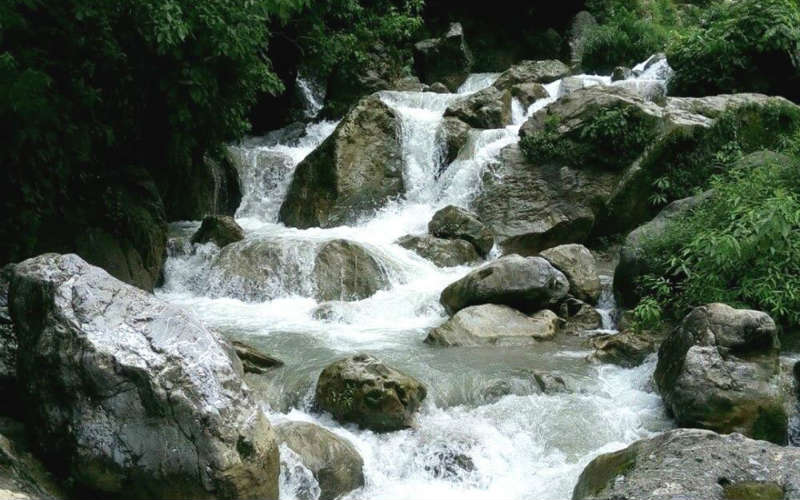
{"type": "Point", "coordinates": [8, 348]}
{"type": "Point", "coordinates": [355, 171]}
{"type": "Point", "coordinates": [579, 30]}
{"type": "Point", "coordinates": [621, 73]}
{"type": "Point", "coordinates": [130, 396]}
{"type": "Point", "coordinates": [532, 72]}
{"type": "Point", "coordinates": [439, 88]}
{"type": "Point", "coordinates": [221, 229]}
{"type": "Point", "coordinates": [626, 349]}
{"type": "Point", "coordinates": [550, 383]}
{"type": "Point", "coordinates": [578, 316]}
{"type": "Point", "coordinates": [364, 391]}
{"type": "Point", "coordinates": [492, 324]}
{"type": "Point", "coordinates": [334, 462]}
{"type": "Point", "coordinates": [454, 135]}
{"type": "Point", "coordinates": [578, 265]}
{"type": "Point", "coordinates": [344, 270]}
{"type": "Point", "coordinates": [440, 251]}
{"type": "Point", "coordinates": [22, 476]}
{"type": "Point", "coordinates": [525, 283]}
{"type": "Point", "coordinates": [452, 222]}
{"type": "Point", "coordinates": [446, 60]}
{"type": "Point", "coordinates": [487, 108]}
{"type": "Point", "coordinates": [720, 370]}
{"type": "Point", "coordinates": [253, 360]}
{"type": "Point", "coordinates": [693, 463]}
{"type": "Point", "coordinates": [528, 93]}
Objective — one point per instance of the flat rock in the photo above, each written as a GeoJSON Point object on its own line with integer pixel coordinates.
{"type": "Point", "coordinates": [440, 251]}
{"type": "Point", "coordinates": [545, 71]}
{"type": "Point", "coordinates": [491, 324]}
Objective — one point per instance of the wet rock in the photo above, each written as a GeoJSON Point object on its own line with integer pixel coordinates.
{"type": "Point", "coordinates": [253, 360]}
{"type": "Point", "coordinates": [579, 316]}
{"type": "Point", "coordinates": [714, 106]}
{"type": "Point", "coordinates": [550, 383]}
{"type": "Point", "coordinates": [221, 229]}
{"type": "Point", "coordinates": [364, 391]}
{"type": "Point", "coordinates": [8, 347]}
{"type": "Point", "coordinates": [263, 173]}
{"type": "Point", "coordinates": [209, 187]}
{"type": "Point", "coordinates": [649, 90]}
{"type": "Point", "coordinates": [532, 72]}
{"type": "Point", "coordinates": [334, 462]}
{"type": "Point", "coordinates": [442, 252]}
{"type": "Point", "coordinates": [454, 135]}
{"type": "Point", "coordinates": [570, 84]}
{"type": "Point", "coordinates": [626, 349]}
{"type": "Point", "coordinates": [578, 265]}
{"type": "Point", "coordinates": [693, 463]}
{"type": "Point", "coordinates": [720, 370]}
{"type": "Point", "coordinates": [579, 29]}
{"type": "Point", "coordinates": [491, 324]}
{"type": "Point", "coordinates": [449, 465]}
{"type": "Point", "coordinates": [438, 88]}
{"type": "Point", "coordinates": [525, 283]}
{"type": "Point", "coordinates": [409, 84]}
{"type": "Point", "coordinates": [22, 476]}
{"type": "Point", "coordinates": [621, 73]}
{"type": "Point", "coordinates": [131, 396]}
{"type": "Point", "coordinates": [355, 171]}
{"type": "Point", "coordinates": [344, 270]}
{"type": "Point", "coordinates": [446, 60]}
{"type": "Point", "coordinates": [487, 108]}
{"type": "Point", "coordinates": [452, 222]}
{"type": "Point", "coordinates": [528, 93]}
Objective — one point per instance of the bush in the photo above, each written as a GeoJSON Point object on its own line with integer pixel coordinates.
{"type": "Point", "coordinates": [743, 46]}
{"type": "Point", "coordinates": [625, 40]}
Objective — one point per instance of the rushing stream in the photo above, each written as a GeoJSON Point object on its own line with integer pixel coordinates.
{"type": "Point", "coordinates": [482, 402]}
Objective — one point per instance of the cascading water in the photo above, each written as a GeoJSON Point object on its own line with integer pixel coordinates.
{"type": "Point", "coordinates": [482, 403]}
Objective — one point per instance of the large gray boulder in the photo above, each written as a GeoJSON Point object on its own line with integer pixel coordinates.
{"type": "Point", "coordinates": [720, 370]}
{"type": "Point", "coordinates": [492, 324]}
{"type": "Point", "coordinates": [130, 396]}
{"type": "Point", "coordinates": [693, 463]}
{"type": "Point", "coordinates": [456, 223]}
{"type": "Point", "coordinates": [356, 170]}
{"type": "Point", "coordinates": [578, 265]}
{"type": "Point", "coordinates": [532, 72]}
{"type": "Point", "coordinates": [334, 462]}
{"type": "Point", "coordinates": [220, 229]}
{"type": "Point", "coordinates": [364, 391]}
{"type": "Point", "coordinates": [487, 108]}
{"type": "Point", "coordinates": [525, 283]}
{"type": "Point", "coordinates": [344, 270]}
{"type": "Point", "coordinates": [440, 251]}
{"type": "Point", "coordinates": [446, 59]}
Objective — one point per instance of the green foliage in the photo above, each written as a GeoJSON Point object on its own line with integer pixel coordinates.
{"type": "Point", "coordinates": [747, 45]}
{"type": "Point", "coordinates": [625, 39]}
{"type": "Point", "coordinates": [611, 138]}
{"type": "Point", "coordinates": [741, 246]}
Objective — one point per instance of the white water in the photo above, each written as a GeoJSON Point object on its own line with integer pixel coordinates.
{"type": "Point", "coordinates": [522, 444]}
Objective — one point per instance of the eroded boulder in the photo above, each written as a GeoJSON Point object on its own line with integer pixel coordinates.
{"type": "Point", "coordinates": [492, 324]}
{"type": "Point", "coordinates": [626, 349]}
{"type": "Point", "coordinates": [528, 93]}
{"type": "Point", "coordinates": [578, 265]}
{"type": "Point", "coordinates": [452, 222]}
{"type": "Point", "coordinates": [253, 360]}
{"type": "Point", "coordinates": [440, 251]}
{"type": "Point", "coordinates": [454, 134]}
{"type": "Point", "coordinates": [532, 72]}
{"type": "Point", "coordinates": [447, 59]}
{"type": "Point", "coordinates": [487, 108]}
{"type": "Point", "coordinates": [344, 270]}
{"type": "Point", "coordinates": [220, 229]}
{"type": "Point", "coordinates": [579, 316]}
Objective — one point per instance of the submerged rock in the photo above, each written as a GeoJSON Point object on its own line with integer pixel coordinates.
{"type": "Point", "coordinates": [525, 283]}
{"type": "Point", "coordinates": [693, 463]}
{"type": "Point", "coordinates": [344, 270]}
{"type": "Point", "coordinates": [221, 229]}
{"type": "Point", "coordinates": [442, 252]}
{"type": "Point", "coordinates": [487, 108]}
{"type": "Point", "coordinates": [550, 383]}
{"type": "Point", "coordinates": [532, 72]}
{"type": "Point", "coordinates": [334, 462]}
{"type": "Point", "coordinates": [356, 170]}
{"type": "Point", "coordinates": [492, 324]}
{"type": "Point", "coordinates": [253, 360]}
{"type": "Point", "coordinates": [130, 396]}
{"type": "Point", "coordinates": [456, 223]}
{"type": "Point", "coordinates": [578, 265]}
{"type": "Point", "coordinates": [446, 60]}
{"type": "Point", "coordinates": [579, 316]}
{"type": "Point", "coordinates": [720, 370]}
{"type": "Point", "coordinates": [364, 391]}
{"type": "Point", "coordinates": [626, 349]}
{"type": "Point", "coordinates": [449, 465]}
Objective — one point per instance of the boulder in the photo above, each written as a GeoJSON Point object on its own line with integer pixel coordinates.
{"type": "Point", "coordinates": [626, 349]}
{"type": "Point", "coordinates": [453, 134]}
{"type": "Point", "coordinates": [579, 29]}
{"type": "Point", "coordinates": [550, 383]}
{"type": "Point", "coordinates": [253, 360]}
{"type": "Point", "coordinates": [353, 172]}
{"type": "Point", "coordinates": [8, 347]}
{"type": "Point", "coordinates": [578, 316]}
{"type": "Point", "coordinates": [446, 59]}
{"type": "Point", "coordinates": [409, 84]}
{"type": "Point", "coordinates": [449, 465]}
{"type": "Point", "coordinates": [578, 265]}
{"type": "Point", "coordinates": [438, 88]}
{"type": "Point", "coordinates": [492, 324]}
{"type": "Point", "coordinates": [621, 73]}
{"type": "Point", "coordinates": [22, 476]}
{"type": "Point", "coordinates": [364, 391]}
{"type": "Point", "coordinates": [570, 84]}
{"type": "Point", "coordinates": [452, 222]}
{"type": "Point", "coordinates": [334, 462]}
{"type": "Point", "coordinates": [220, 229]}
{"type": "Point", "coordinates": [442, 252]}
{"type": "Point", "coordinates": [344, 270]}
{"type": "Point", "coordinates": [487, 108]}
{"type": "Point", "coordinates": [528, 93]}
{"type": "Point", "coordinates": [720, 370]}
{"type": "Point", "coordinates": [532, 72]}
{"type": "Point", "coordinates": [130, 396]}
{"type": "Point", "coordinates": [693, 463]}
{"type": "Point", "coordinates": [525, 283]}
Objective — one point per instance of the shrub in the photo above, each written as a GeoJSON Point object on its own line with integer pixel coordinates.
{"type": "Point", "coordinates": [625, 40]}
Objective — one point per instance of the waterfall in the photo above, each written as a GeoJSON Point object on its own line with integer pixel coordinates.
{"type": "Point", "coordinates": [522, 443]}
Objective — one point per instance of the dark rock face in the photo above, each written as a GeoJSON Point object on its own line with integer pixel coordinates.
{"type": "Point", "coordinates": [344, 270]}
{"type": "Point", "coordinates": [528, 93]}
{"type": "Point", "coordinates": [626, 349]}
{"type": "Point", "coordinates": [579, 29]}
{"type": "Point", "coordinates": [550, 383]}
{"type": "Point", "coordinates": [130, 396]}
{"type": "Point", "coordinates": [454, 134]}
{"type": "Point", "coordinates": [253, 360]}
{"type": "Point", "coordinates": [621, 73]}
{"type": "Point", "coordinates": [221, 229]}
{"type": "Point", "coordinates": [334, 462]}
{"type": "Point", "coordinates": [8, 347]}
{"type": "Point", "coordinates": [446, 60]}
{"type": "Point", "coordinates": [487, 108]}
{"type": "Point", "coordinates": [525, 283]}
{"type": "Point", "coordinates": [442, 252]}
{"type": "Point", "coordinates": [532, 72]}
{"type": "Point", "coordinates": [578, 265]}
{"type": "Point", "coordinates": [210, 187]}
{"type": "Point", "coordinates": [364, 391]}
{"type": "Point", "coordinates": [452, 222]}
{"type": "Point", "coordinates": [22, 476]}
{"type": "Point", "coordinates": [720, 370]}
{"type": "Point", "coordinates": [693, 463]}
{"type": "Point", "coordinates": [578, 316]}
{"type": "Point", "coordinates": [356, 170]}
{"type": "Point", "coordinates": [492, 324]}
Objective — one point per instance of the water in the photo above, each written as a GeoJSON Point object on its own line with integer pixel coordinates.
{"type": "Point", "coordinates": [483, 402]}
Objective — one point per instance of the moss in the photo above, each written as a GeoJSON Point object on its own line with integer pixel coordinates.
{"type": "Point", "coordinates": [753, 490]}
{"type": "Point", "coordinates": [603, 470]}
{"type": "Point", "coordinates": [770, 425]}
